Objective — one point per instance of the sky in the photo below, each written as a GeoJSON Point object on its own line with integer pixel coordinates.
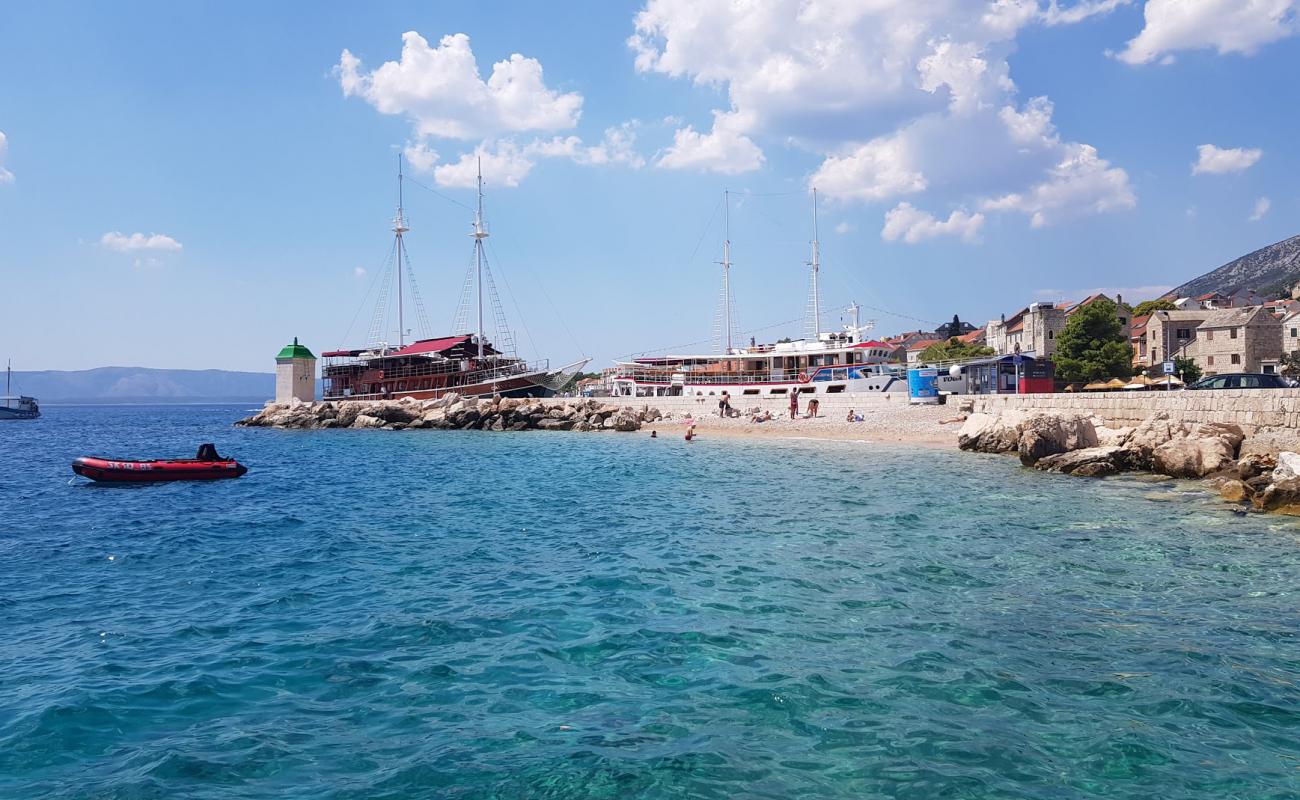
{"type": "Point", "coordinates": [192, 185]}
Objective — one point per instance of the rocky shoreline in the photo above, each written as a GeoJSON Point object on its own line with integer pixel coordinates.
{"type": "Point", "coordinates": [1247, 471]}
{"type": "Point", "coordinates": [453, 412]}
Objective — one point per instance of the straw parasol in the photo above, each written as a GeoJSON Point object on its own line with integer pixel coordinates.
{"type": "Point", "coordinates": [1115, 383]}
{"type": "Point", "coordinates": [1096, 386]}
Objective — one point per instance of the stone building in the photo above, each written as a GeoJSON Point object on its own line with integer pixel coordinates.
{"type": "Point", "coordinates": [1035, 327]}
{"type": "Point", "coordinates": [1172, 334]}
{"type": "Point", "coordinates": [1290, 332]}
{"type": "Point", "coordinates": [1137, 339]}
{"type": "Point", "coordinates": [1245, 339]}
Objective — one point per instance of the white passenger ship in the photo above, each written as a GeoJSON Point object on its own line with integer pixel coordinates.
{"type": "Point", "coordinates": [825, 363]}
{"type": "Point", "coordinates": [831, 363]}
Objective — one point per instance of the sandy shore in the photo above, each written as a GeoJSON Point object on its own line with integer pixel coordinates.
{"type": "Point", "coordinates": [919, 425]}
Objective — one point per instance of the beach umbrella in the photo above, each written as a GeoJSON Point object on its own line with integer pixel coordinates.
{"type": "Point", "coordinates": [1115, 383]}
{"type": "Point", "coordinates": [1095, 386]}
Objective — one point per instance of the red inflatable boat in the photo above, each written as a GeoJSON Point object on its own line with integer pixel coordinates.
{"type": "Point", "coordinates": [206, 466]}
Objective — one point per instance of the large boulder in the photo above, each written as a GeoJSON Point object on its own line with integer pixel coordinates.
{"type": "Point", "coordinates": [1049, 434]}
{"type": "Point", "coordinates": [1287, 470]}
{"type": "Point", "coordinates": [367, 421]}
{"type": "Point", "coordinates": [347, 414]}
{"type": "Point", "coordinates": [1112, 437]}
{"type": "Point", "coordinates": [396, 412]}
{"type": "Point", "coordinates": [1092, 462]}
{"type": "Point", "coordinates": [1154, 431]}
{"type": "Point", "coordinates": [625, 420]}
{"type": "Point", "coordinates": [1193, 457]}
{"type": "Point", "coordinates": [991, 433]}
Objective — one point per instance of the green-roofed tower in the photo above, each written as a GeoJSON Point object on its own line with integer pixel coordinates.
{"type": "Point", "coordinates": [295, 374]}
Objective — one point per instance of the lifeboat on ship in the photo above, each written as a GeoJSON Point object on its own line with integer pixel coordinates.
{"type": "Point", "coordinates": [207, 465]}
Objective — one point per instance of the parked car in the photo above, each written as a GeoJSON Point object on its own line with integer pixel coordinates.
{"type": "Point", "coordinates": [1242, 380]}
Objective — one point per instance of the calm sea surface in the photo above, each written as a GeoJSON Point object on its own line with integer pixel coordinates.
{"type": "Point", "coordinates": [474, 615]}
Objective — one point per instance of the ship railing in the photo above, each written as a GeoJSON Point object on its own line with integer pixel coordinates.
{"type": "Point", "coordinates": [704, 378]}
{"type": "Point", "coordinates": [431, 368]}
{"type": "Point", "coordinates": [513, 369]}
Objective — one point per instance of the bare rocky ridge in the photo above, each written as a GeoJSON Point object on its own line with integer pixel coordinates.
{"type": "Point", "coordinates": [452, 412]}
{"type": "Point", "coordinates": [1277, 265]}
{"type": "Point", "coordinates": [1074, 444]}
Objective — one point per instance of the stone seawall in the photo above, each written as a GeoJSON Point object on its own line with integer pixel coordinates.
{"type": "Point", "coordinates": [1254, 410]}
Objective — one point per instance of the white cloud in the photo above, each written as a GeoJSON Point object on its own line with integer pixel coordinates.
{"type": "Point", "coordinates": [359, 273]}
{"type": "Point", "coordinates": [1213, 160]}
{"type": "Point", "coordinates": [439, 88]}
{"type": "Point", "coordinates": [1262, 205]}
{"type": "Point", "coordinates": [878, 170]}
{"type": "Point", "coordinates": [845, 227]}
{"type": "Point", "coordinates": [913, 225]}
{"type": "Point", "coordinates": [896, 96]}
{"type": "Point", "coordinates": [505, 162]}
{"type": "Point", "coordinates": [138, 242]}
{"type": "Point", "coordinates": [1081, 183]}
{"type": "Point", "coordinates": [5, 175]}
{"type": "Point", "coordinates": [723, 149]}
{"type": "Point", "coordinates": [1228, 26]}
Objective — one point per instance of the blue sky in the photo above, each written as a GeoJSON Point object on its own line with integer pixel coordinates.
{"type": "Point", "coordinates": [194, 184]}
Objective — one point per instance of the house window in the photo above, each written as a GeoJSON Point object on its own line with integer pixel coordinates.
{"type": "Point", "coordinates": [1209, 336]}
{"type": "Point", "coordinates": [1123, 320]}
{"type": "Point", "coordinates": [1051, 334]}
{"type": "Point", "coordinates": [1232, 333]}
{"type": "Point", "coordinates": [1293, 333]}
{"type": "Point", "coordinates": [1184, 333]}
{"type": "Point", "coordinates": [1209, 361]}
{"type": "Point", "coordinates": [1236, 358]}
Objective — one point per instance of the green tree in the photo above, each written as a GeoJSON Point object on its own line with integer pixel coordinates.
{"type": "Point", "coordinates": [954, 350]}
{"type": "Point", "coordinates": [1147, 306]}
{"type": "Point", "coordinates": [1187, 369]}
{"type": "Point", "coordinates": [1093, 345]}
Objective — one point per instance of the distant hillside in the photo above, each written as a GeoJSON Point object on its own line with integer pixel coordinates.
{"type": "Point", "coordinates": [1275, 269]}
{"type": "Point", "coordinates": [141, 385]}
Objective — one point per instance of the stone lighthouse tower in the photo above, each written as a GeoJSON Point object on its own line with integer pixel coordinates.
{"type": "Point", "coordinates": [295, 374]}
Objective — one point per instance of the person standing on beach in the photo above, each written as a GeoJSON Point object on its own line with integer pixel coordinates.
{"type": "Point", "coordinates": [794, 403]}
{"type": "Point", "coordinates": [813, 405]}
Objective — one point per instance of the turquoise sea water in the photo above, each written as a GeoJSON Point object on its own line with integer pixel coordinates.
{"type": "Point", "coordinates": [477, 615]}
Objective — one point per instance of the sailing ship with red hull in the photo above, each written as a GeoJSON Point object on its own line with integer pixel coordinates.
{"type": "Point", "coordinates": [466, 363]}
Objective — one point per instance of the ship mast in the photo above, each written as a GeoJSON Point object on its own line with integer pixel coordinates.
{"type": "Point", "coordinates": [399, 228]}
{"type": "Point", "coordinates": [815, 300]}
{"type": "Point", "coordinates": [726, 271]}
{"type": "Point", "coordinates": [480, 233]}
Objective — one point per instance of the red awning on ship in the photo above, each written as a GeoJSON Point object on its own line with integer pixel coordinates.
{"type": "Point", "coordinates": [874, 344]}
{"type": "Point", "coordinates": [340, 353]}
{"type": "Point", "coordinates": [431, 345]}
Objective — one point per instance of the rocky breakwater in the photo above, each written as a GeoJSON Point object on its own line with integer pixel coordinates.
{"type": "Point", "coordinates": [452, 412]}
{"type": "Point", "coordinates": [1075, 444]}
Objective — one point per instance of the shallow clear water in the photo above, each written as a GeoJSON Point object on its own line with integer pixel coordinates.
{"type": "Point", "coordinates": [474, 615]}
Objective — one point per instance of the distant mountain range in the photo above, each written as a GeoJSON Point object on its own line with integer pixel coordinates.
{"type": "Point", "coordinates": [142, 385]}
{"type": "Point", "coordinates": [1271, 270]}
